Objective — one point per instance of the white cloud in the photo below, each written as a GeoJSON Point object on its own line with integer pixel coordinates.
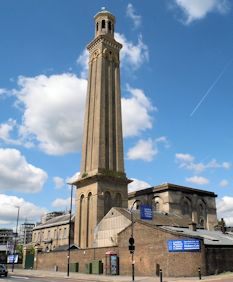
{"type": "Point", "coordinates": [225, 209]}
{"type": "Point", "coordinates": [5, 131]}
{"type": "Point", "coordinates": [58, 182]}
{"type": "Point", "coordinates": [199, 180]}
{"type": "Point", "coordinates": [136, 112]}
{"type": "Point", "coordinates": [143, 150]}
{"type": "Point", "coordinates": [61, 203]}
{"type": "Point", "coordinates": [187, 161]}
{"type": "Point", "coordinates": [83, 62]}
{"type": "Point", "coordinates": [132, 56]}
{"type": "Point", "coordinates": [146, 150]}
{"type": "Point", "coordinates": [8, 210]}
{"type": "Point", "coordinates": [3, 91]}
{"type": "Point", "coordinates": [73, 178]}
{"type": "Point", "coordinates": [224, 183]}
{"type": "Point", "coordinates": [137, 185]}
{"type": "Point", "coordinates": [53, 112]}
{"type": "Point", "coordinates": [198, 9]}
{"type": "Point", "coordinates": [184, 157]}
{"type": "Point", "coordinates": [130, 12]}
{"type": "Point", "coordinates": [19, 175]}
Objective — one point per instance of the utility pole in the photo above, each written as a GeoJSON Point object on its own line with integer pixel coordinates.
{"type": "Point", "coordinates": [16, 236]}
{"type": "Point", "coordinates": [131, 239]}
{"type": "Point", "coordinates": [69, 240]}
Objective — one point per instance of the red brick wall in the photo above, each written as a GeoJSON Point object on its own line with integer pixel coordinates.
{"type": "Point", "coordinates": [151, 250]}
{"type": "Point", "coordinates": [48, 261]}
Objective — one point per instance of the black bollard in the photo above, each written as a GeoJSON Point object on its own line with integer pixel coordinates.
{"type": "Point", "coordinates": [160, 275]}
{"type": "Point", "coordinates": [199, 273]}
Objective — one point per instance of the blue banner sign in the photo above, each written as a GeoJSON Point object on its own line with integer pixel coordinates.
{"type": "Point", "coordinates": [146, 212]}
{"type": "Point", "coordinates": [183, 245]}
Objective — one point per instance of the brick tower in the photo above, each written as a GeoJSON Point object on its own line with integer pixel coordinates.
{"type": "Point", "coordinates": [102, 183]}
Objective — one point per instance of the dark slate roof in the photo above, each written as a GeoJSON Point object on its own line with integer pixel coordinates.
{"type": "Point", "coordinates": [169, 186]}
{"type": "Point", "coordinates": [159, 218]}
{"type": "Point", "coordinates": [212, 238]}
{"type": "Point", "coordinates": [55, 221]}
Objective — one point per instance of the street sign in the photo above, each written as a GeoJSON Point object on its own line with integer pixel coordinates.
{"type": "Point", "coordinates": [146, 212]}
{"type": "Point", "coordinates": [184, 245]}
{"type": "Point", "coordinates": [11, 257]}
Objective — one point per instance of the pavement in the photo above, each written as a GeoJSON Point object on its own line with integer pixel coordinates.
{"type": "Point", "coordinates": [228, 276]}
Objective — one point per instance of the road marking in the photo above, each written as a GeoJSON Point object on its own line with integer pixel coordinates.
{"type": "Point", "coordinates": [20, 277]}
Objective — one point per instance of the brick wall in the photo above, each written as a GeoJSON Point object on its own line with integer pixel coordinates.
{"type": "Point", "coordinates": [48, 261]}
{"type": "Point", "coordinates": [219, 260]}
{"type": "Point", "coordinates": [151, 252]}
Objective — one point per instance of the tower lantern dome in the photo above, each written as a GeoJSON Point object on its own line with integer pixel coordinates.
{"type": "Point", "coordinates": [104, 23]}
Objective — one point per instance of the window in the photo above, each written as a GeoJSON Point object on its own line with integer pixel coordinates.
{"type": "Point", "coordinates": [156, 206]}
{"type": "Point", "coordinates": [118, 200]}
{"type": "Point", "coordinates": [109, 25]}
{"type": "Point", "coordinates": [97, 26]}
{"type": "Point", "coordinates": [64, 233]}
{"type": "Point", "coordinates": [103, 23]}
{"type": "Point", "coordinates": [107, 202]}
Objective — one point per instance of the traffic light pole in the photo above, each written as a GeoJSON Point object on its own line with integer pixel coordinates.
{"type": "Point", "coordinates": [131, 239]}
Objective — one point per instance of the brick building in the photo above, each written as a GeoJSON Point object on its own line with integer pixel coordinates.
{"type": "Point", "coordinates": [53, 233]}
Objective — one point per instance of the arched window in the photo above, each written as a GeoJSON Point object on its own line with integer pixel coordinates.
{"type": "Point", "coordinates": [103, 23]}
{"type": "Point", "coordinates": [186, 207]}
{"type": "Point", "coordinates": [80, 217]}
{"type": "Point", "coordinates": [156, 206]}
{"type": "Point", "coordinates": [109, 25]}
{"type": "Point", "coordinates": [118, 200]}
{"type": "Point", "coordinates": [157, 203]}
{"type": "Point", "coordinates": [89, 208]}
{"type": "Point", "coordinates": [97, 26]}
{"type": "Point", "coordinates": [107, 202]}
{"type": "Point", "coordinates": [201, 214]}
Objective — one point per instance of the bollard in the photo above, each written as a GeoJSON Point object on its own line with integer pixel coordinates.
{"type": "Point", "coordinates": [199, 273]}
{"type": "Point", "coordinates": [160, 275]}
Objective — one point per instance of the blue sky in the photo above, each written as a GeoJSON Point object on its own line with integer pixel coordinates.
{"type": "Point", "coordinates": [176, 84]}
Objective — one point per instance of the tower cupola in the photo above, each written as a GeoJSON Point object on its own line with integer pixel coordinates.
{"type": "Point", "coordinates": [104, 23]}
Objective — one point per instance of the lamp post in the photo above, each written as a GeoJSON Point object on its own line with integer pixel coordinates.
{"type": "Point", "coordinates": [69, 239]}
{"type": "Point", "coordinates": [131, 239]}
{"type": "Point", "coordinates": [16, 235]}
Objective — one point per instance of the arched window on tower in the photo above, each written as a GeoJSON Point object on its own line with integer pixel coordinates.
{"type": "Point", "coordinates": [107, 202]}
{"type": "Point", "coordinates": [97, 26]}
{"type": "Point", "coordinates": [118, 200]}
{"type": "Point", "coordinates": [103, 23]}
{"type": "Point", "coordinates": [80, 218]}
{"type": "Point", "coordinates": [109, 26]}
{"type": "Point", "coordinates": [89, 209]}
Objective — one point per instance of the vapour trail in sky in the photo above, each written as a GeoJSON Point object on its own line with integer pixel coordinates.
{"type": "Point", "coordinates": [211, 87]}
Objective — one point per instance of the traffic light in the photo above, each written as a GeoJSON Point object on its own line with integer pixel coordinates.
{"type": "Point", "coordinates": [131, 245]}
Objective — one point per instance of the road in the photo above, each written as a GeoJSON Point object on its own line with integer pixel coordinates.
{"type": "Point", "coordinates": [14, 277]}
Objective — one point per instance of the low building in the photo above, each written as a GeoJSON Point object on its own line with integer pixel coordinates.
{"type": "Point", "coordinates": [54, 232]}
{"type": "Point", "coordinates": [198, 205]}
{"type": "Point", "coordinates": [25, 233]}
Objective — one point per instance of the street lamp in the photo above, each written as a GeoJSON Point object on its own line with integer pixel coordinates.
{"type": "Point", "coordinates": [69, 240]}
{"type": "Point", "coordinates": [16, 235]}
{"type": "Point", "coordinates": [131, 239]}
